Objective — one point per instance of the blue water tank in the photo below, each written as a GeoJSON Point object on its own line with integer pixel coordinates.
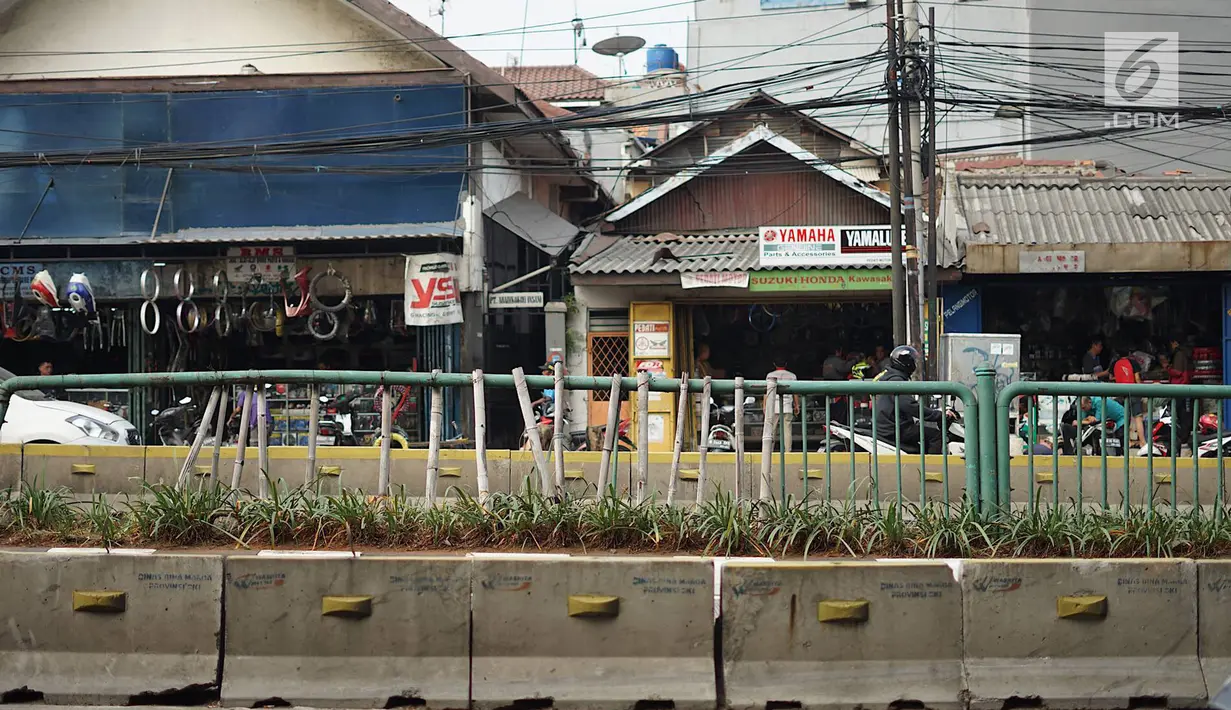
{"type": "Point", "coordinates": [660, 56]}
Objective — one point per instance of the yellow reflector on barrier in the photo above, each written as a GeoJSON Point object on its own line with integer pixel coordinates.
{"type": "Point", "coordinates": [842, 610]}
{"type": "Point", "coordinates": [1082, 607]}
{"type": "Point", "coordinates": [934, 477]}
{"type": "Point", "coordinates": [450, 472]}
{"type": "Point", "coordinates": [593, 606]}
{"type": "Point", "coordinates": [574, 475]}
{"type": "Point", "coordinates": [202, 471]}
{"type": "Point", "coordinates": [100, 601]}
{"type": "Point", "coordinates": [690, 474]}
{"type": "Point", "coordinates": [1162, 479]}
{"type": "Point", "coordinates": [347, 607]}
{"type": "Point", "coordinates": [812, 474]}
{"type": "Point", "coordinates": [1045, 477]}
{"type": "Point", "coordinates": [83, 469]}
{"type": "Point", "coordinates": [332, 471]}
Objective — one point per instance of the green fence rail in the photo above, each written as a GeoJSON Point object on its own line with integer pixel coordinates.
{"type": "Point", "coordinates": [979, 450]}
{"type": "Point", "coordinates": [1146, 473]}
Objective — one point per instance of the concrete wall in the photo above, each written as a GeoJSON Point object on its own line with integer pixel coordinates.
{"type": "Point", "coordinates": [509, 630]}
{"type": "Point", "coordinates": [115, 38]}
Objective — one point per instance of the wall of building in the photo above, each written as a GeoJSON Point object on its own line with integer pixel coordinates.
{"type": "Point", "coordinates": [103, 201]}
{"type": "Point", "coordinates": [97, 38]}
{"type": "Point", "coordinates": [990, 45]}
{"type": "Point", "coordinates": [735, 41]}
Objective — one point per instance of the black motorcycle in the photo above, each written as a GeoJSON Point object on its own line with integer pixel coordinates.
{"type": "Point", "coordinates": [174, 426]}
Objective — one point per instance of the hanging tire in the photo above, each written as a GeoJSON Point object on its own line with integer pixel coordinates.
{"type": "Point", "coordinates": [314, 288]}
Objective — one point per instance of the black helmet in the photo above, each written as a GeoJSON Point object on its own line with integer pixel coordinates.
{"type": "Point", "coordinates": [905, 359]}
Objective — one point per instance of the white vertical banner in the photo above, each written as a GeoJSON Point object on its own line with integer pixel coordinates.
{"type": "Point", "coordinates": [431, 290]}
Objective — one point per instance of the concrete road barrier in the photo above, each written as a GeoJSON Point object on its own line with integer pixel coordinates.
{"type": "Point", "coordinates": [84, 470]}
{"type": "Point", "coordinates": [1082, 633]}
{"type": "Point", "coordinates": [109, 629]}
{"type": "Point", "coordinates": [1214, 612]}
{"type": "Point", "coordinates": [347, 633]}
{"type": "Point", "coordinates": [841, 635]}
{"type": "Point", "coordinates": [593, 633]}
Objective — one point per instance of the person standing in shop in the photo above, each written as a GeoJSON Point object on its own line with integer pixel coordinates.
{"type": "Point", "coordinates": [837, 366]}
{"type": "Point", "coordinates": [781, 374]}
{"type": "Point", "coordinates": [1091, 364]}
{"type": "Point", "coordinates": [1127, 371]}
{"type": "Point", "coordinates": [1180, 372]}
{"type": "Point", "coordinates": [704, 367]}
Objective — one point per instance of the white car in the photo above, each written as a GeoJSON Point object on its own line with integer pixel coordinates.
{"type": "Point", "coordinates": [34, 418]}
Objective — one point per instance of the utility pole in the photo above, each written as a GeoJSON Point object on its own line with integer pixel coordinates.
{"type": "Point", "coordinates": [908, 109]}
{"type": "Point", "coordinates": [933, 207]}
{"type": "Point", "coordinates": [895, 173]}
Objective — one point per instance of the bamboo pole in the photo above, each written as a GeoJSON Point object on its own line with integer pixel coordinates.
{"type": "Point", "coordinates": [241, 444]}
{"type": "Point", "coordinates": [679, 439]}
{"type": "Point", "coordinates": [557, 440]}
{"type": "Point", "coordinates": [220, 430]}
{"type": "Point", "coordinates": [386, 439]}
{"type": "Point", "coordinates": [643, 435]}
{"type": "Point", "coordinates": [435, 425]}
{"type": "Point", "coordinates": [480, 434]}
{"type": "Point", "coordinates": [532, 429]}
{"type": "Point", "coordinates": [767, 436]}
{"type": "Point", "coordinates": [610, 437]}
{"type": "Point", "coordinates": [314, 429]}
{"type": "Point", "coordinates": [705, 438]}
{"type": "Point", "coordinates": [262, 438]}
{"type": "Point", "coordinates": [199, 440]}
{"type": "Point", "coordinates": [742, 488]}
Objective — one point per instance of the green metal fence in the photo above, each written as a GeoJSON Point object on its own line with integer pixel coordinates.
{"type": "Point", "coordinates": [1103, 467]}
{"type": "Point", "coordinates": [760, 482]}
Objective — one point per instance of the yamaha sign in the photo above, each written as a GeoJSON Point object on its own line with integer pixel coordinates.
{"type": "Point", "coordinates": [825, 246]}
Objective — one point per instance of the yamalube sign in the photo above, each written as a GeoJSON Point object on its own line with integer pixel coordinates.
{"type": "Point", "coordinates": [825, 246]}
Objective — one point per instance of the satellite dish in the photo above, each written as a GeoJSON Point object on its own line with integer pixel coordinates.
{"type": "Point", "coordinates": [619, 46]}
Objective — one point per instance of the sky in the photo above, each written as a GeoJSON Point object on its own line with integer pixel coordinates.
{"type": "Point", "coordinates": [549, 35]}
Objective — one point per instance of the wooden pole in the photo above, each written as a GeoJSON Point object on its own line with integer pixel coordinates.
{"type": "Point", "coordinates": [314, 429]}
{"type": "Point", "coordinates": [199, 440]}
{"type": "Point", "coordinates": [679, 439]}
{"type": "Point", "coordinates": [480, 434]}
{"type": "Point", "coordinates": [611, 437]}
{"type": "Point", "coordinates": [557, 441]}
{"type": "Point", "coordinates": [262, 438]}
{"type": "Point", "coordinates": [435, 426]}
{"type": "Point", "coordinates": [220, 430]}
{"type": "Point", "coordinates": [532, 429]}
{"type": "Point", "coordinates": [643, 435]}
{"type": "Point", "coordinates": [742, 489]}
{"type": "Point", "coordinates": [705, 438]}
{"type": "Point", "coordinates": [767, 436]}
{"type": "Point", "coordinates": [241, 444]}
{"type": "Point", "coordinates": [386, 439]}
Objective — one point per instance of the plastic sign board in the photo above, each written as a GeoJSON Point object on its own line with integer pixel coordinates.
{"type": "Point", "coordinates": [802, 280]}
{"type": "Point", "coordinates": [516, 299]}
{"type": "Point", "coordinates": [431, 290]}
{"type": "Point", "coordinates": [825, 246]}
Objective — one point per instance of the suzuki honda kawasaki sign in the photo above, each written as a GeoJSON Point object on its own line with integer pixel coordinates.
{"type": "Point", "coordinates": [825, 246]}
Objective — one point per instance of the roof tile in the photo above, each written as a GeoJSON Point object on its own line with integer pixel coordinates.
{"type": "Point", "coordinates": [558, 82]}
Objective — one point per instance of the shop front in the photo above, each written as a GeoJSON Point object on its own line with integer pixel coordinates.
{"type": "Point", "coordinates": [1063, 260]}
{"type": "Point", "coordinates": [202, 306]}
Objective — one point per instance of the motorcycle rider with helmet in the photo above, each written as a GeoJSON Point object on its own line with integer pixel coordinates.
{"type": "Point", "coordinates": [900, 366]}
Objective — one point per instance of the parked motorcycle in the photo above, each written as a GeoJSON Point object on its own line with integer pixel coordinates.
{"type": "Point", "coordinates": [175, 426]}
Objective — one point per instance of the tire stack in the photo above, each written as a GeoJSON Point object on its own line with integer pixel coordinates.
{"type": "Point", "coordinates": [1207, 366]}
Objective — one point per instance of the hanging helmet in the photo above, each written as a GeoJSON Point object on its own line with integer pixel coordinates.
{"type": "Point", "coordinates": [80, 295]}
{"type": "Point", "coordinates": [860, 371]}
{"type": "Point", "coordinates": [905, 359]}
{"type": "Point", "coordinates": [45, 289]}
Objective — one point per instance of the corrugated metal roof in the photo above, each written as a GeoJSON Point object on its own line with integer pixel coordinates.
{"type": "Point", "coordinates": [679, 254]}
{"type": "Point", "coordinates": [1027, 210]}
{"type": "Point", "coordinates": [533, 222]}
{"type": "Point", "coordinates": [343, 232]}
